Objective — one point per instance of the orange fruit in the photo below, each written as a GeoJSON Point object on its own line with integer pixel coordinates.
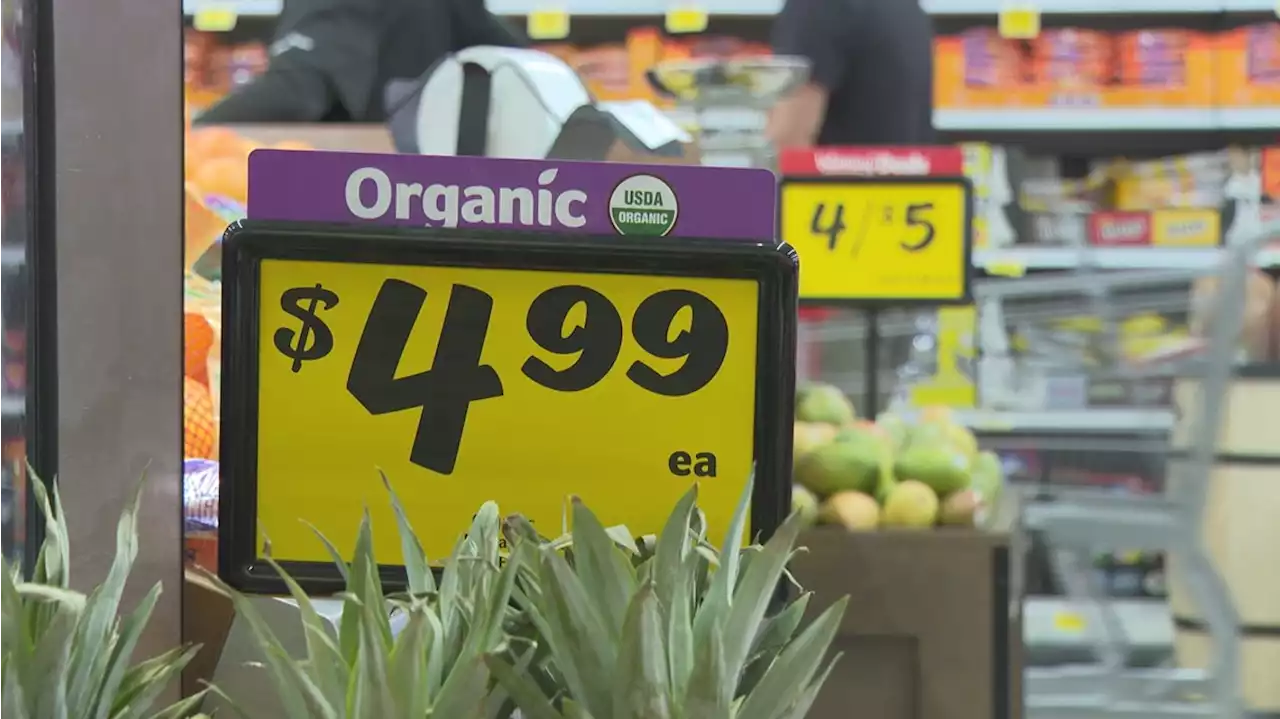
{"type": "Point", "coordinates": [292, 145]}
{"type": "Point", "coordinates": [199, 431]}
{"type": "Point", "coordinates": [198, 340]}
{"type": "Point", "coordinates": [225, 176]}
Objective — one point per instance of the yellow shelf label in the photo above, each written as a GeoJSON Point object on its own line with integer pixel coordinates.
{"type": "Point", "coordinates": [216, 18]}
{"type": "Point", "coordinates": [1068, 622]}
{"type": "Point", "coordinates": [548, 24]}
{"type": "Point", "coordinates": [1005, 268]}
{"type": "Point", "coordinates": [1019, 22]}
{"type": "Point", "coordinates": [684, 20]}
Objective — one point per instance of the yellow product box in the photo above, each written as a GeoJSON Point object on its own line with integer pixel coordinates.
{"type": "Point", "coordinates": [1186, 228]}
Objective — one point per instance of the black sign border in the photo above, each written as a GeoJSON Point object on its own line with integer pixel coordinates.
{"type": "Point", "coordinates": [966, 184]}
{"type": "Point", "coordinates": [248, 242]}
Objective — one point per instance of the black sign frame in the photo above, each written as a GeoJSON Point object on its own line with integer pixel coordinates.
{"type": "Point", "coordinates": [247, 243]}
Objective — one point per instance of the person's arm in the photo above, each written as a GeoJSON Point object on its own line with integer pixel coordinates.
{"type": "Point", "coordinates": [819, 31]}
{"type": "Point", "coordinates": [326, 57]}
{"type": "Point", "coordinates": [295, 94]}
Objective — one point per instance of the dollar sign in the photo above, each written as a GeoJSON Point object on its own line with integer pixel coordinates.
{"type": "Point", "coordinates": [314, 340]}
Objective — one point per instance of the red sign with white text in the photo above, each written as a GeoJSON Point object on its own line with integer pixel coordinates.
{"type": "Point", "coordinates": [872, 161]}
{"type": "Point", "coordinates": [1119, 229]}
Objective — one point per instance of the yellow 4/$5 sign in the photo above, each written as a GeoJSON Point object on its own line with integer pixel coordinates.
{"type": "Point", "coordinates": [882, 240]}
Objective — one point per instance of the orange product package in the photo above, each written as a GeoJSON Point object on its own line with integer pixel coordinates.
{"type": "Point", "coordinates": [1271, 173]}
{"type": "Point", "coordinates": [606, 71]}
{"type": "Point", "coordinates": [1073, 57]}
{"type": "Point", "coordinates": [245, 62]}
{"type": "Point", "coordinates": [992, 61]}
{"type": "Point", "coordinates": [644, 50]}
{"type": "Point", "coordinates": [1154, 58]}
{"type": "Point", "coordinates": [195, 57]}
{"type": "Point", "coordinates": [1248, 62]}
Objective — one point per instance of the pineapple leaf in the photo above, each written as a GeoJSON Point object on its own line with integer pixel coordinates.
{"type": "Point", "coordinates": [604, 570]}
{"type": "Point", "coordinates": [532, 702]}
{"type": "Point", "coordinates": [415, 559]}
{"type": "Point", "coordinates": [324, 658]}
{"type": "Point", "coordinates": [641, 684]}
{"type": "Point", "coordinates": [794, 667]}
{"type": "Point", "coordinates": [752, 597]}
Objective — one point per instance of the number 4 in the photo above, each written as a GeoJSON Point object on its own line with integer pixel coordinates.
{"type": "Point", "coordinates": [917, 217]}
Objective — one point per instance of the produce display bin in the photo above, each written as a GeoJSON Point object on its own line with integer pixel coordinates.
{"type": "Point", "coordinates": [932, 629]}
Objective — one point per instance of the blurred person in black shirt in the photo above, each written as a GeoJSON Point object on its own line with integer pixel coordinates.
{"type": "Point", "coordinates": [332, 59]}
{"type": "Point", "coordinates": [871, 73]}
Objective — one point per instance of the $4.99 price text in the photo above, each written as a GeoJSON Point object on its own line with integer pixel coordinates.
{"type": "Point", "coordinates": [672, 324]}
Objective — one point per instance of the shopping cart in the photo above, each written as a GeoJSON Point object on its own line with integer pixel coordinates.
{"type": "Point", "coordinates": [1066, 342]}
{"type": "Point", "coordinates": [723, 103]}
{"type": "Point", "coordinates": [1076, 523]}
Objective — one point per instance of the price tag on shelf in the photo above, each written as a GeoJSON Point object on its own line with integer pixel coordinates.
{"type": "Point", "coordinates": [506, 366]}
{"type": "Point", "coordinates": [1019, 21]}
{"type": "Point", "coordinates": [214, 18]}
{"type": "Point", "coordinates": [1069, 622]}
{"type": "Point", "coordinates": [1005, 267]}
{"type": "Point", "coordinates": [686, 19]}
{"type": "Point", "coordinates": [548, 24]}
{"type": "Point", "coordinates": [888, 240]}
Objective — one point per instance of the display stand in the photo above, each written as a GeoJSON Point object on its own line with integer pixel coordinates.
{"type": "Point", "coordinates": [932, 630]}
{"type": "Point", "coordinates": [510, 332]}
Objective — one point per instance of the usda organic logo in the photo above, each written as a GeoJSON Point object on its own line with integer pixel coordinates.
{"type": "Point", "coordinates": [643, 205]}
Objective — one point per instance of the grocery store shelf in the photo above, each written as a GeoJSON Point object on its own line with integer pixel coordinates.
{"type": "Point", "coordinates": [1093, 420]}
{"type": "Point", "coordinates": [1059, 623]}
{"type": "Point", "coordinates": [1075, 119]}
{"type": "Point", "coordinates": [934, 7]}
{"type": "Point", "coordinates": [632, 7]}
{"type": "Point", "coordinates": [1249, 118]}
{"type": "Point", "coordinates": [240, 8]}
{"type": "Point", "coordinates": [1076, 7]}
{"type": "Point", "coordinates": [1110, 258]}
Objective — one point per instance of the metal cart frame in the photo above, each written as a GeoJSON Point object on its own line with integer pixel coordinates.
{"type": "Point", "coordinates": [1078, 523]}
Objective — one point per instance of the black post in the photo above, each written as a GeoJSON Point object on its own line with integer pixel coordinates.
{"type": "Point", "coordinates": [871, 370]}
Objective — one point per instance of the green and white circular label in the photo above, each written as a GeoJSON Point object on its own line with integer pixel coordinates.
{"type": "Point", "coordinates": [643, 205]}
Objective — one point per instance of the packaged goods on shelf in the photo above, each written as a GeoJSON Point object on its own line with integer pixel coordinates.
{"type": "Point", "coordinates": [211, 68]}
{"type": "Point", "coordinates": [200, 512]}
{"type": "Point", "coordinates": [1193, 200]}
{"type": "Point", "coordinates": [1248, 61]}
{"type": "Point", "coordinates": [1084, 68]}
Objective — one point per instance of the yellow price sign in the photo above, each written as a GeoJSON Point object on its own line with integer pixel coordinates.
{"type": "Point", "coordinates": [215, 18]}
{"type": "Point", "coordinates": [548, 24]}
{"type": "Point", "coordinates": [1019, 22]}
{"type": "Point", "coordinates": [883, 240]}
{"type": "Point", "coordinates": [684, 20]}
{"type": "Point", "coordinates": [501, 370]}
{"type": "Point", "coordinates": [1070, 622]}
